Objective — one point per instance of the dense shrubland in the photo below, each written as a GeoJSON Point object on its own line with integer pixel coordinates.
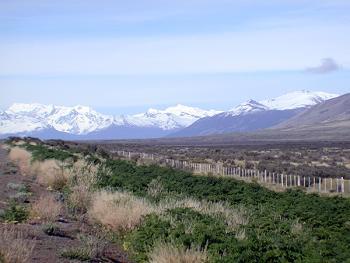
{"type": "Point", "coordinates": [159, 213]}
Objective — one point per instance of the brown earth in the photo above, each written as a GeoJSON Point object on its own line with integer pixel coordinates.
{"type": "Point", "coordinates": [47, 248]}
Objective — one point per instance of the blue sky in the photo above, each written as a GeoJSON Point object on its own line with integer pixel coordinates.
{"type": "Point", "coordinates": [126, 56]}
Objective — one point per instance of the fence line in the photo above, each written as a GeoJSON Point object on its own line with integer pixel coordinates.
{"type": "Point", "coordinates": [310, 183]}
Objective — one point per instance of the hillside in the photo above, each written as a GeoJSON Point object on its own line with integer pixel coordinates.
{"type": "Point", "coordinates": [252, 115]}
{"type": "Point", "coordinates": [331, 114]}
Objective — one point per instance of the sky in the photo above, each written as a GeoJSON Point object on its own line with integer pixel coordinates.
{"type": "Point", "coordinates": [123, 57]}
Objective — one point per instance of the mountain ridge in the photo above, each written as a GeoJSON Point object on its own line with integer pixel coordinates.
{"type": "Point", "coordinates": [84, 122]}
{"type": "Point", "coordinates": [253, 115]}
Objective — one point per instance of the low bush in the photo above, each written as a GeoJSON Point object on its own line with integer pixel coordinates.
{"type": "Point", "coordinates": [50, 173]}
{"type": "Point", "coordinates": [270, 234]}
{"type": "Point", "coordinates": [51, 229]}
{"type": "Point", "coordinates": [91, 248]}
{"type": "Point", "coordinates": [41, 152]}
{"type": "Point", "coordinates": [119, 211]}
{"type": "Point", "coordinates": [17, 187]}
{"type": "Point", "coordinates": [15, 213]}
{"type": "Point", "coordinates": [46, 208]}
{"type": "Point", "coordinates": [170, 253]}
{"type": "Point", "coordinates": [20, 197]}
{"type": "Point", "coordinates": [22, 159]}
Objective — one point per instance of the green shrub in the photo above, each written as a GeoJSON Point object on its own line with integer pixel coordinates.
{"type": "Point", "coordinates": [269, 235]}
{"type": "Point", "coordinates": [15, 213]}
{"type": "Point", "coordinates": [91, 248]}
{"type": "Point", "coordinates": [51, 229]}
{"type": "Point", "coordinates": [20, 197]}
{"type": "Point", "coordinates": [79, 253]}
{"type": "Point", "coordinates": [42, 152]}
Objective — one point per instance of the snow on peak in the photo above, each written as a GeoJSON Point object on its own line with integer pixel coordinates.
{"type": "Point", "coordinates": [75, 120]}
{"type": "Point", "coordinates": [174, 117]}
{"type": "Point", "coordinates": [297, 99]}
{"type": "Point", "coordinates": [182, 110]}
{"type": "Point", "coordinates": [34, 109]}
{"type": "Point", "coordinates": [247, 107]}
{"type": "Point", "coordinates": [21, 117]}
{"type": "Point", "coordinates": [292, 100]}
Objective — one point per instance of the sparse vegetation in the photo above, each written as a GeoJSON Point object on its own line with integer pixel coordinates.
{"type": "Point", "coordinates": [51, 174]}
{"type": "Point", "coordinates": [91, 248]}
{"type": "Point", "coordinates": [14, 247]}
{"type": "Point", "coordinates": [15, 213]}
{"type": "Point", "coordinates": [22, 158]}
{"type": "Point", "coordinates": [46, 208]}
{"type": "Point", "coordinates": [51, 229]}
{"type": "Point", "coordinates": [170, 253]}
{"type": "Point", "coordinates": [165, 215]}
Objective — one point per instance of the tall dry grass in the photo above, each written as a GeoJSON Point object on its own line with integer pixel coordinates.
{"type": "Point", "coordinates": [169, 253]}
{"type": "Point", "coordinates": [46, 208]}
{"type": "Point", "coordinates": [14, 247]}
{"type": "Point", "coordinates": [22, 159]}
{"type": "Point", "coordinates": [120, 211]}
{"type": "Point", "coordinates": [82, 179]}
{"type": "Point", "coordinates": [51, 173]}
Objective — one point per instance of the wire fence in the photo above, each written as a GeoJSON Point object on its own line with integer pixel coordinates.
{"type": "Point", "coordinates": [281, 180]}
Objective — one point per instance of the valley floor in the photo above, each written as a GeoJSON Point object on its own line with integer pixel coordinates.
{"type": "Point", "coordinates": [157, 214]}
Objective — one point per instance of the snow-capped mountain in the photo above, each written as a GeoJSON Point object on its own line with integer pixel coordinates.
{"type": "Point", "coordinates": [253, 115]}
{"type": "Point", "coordinates": [297, 99]}
{"type": "Point", "coordinates": [176, 117]}
{"type": "Point", "coordinates": [73, 120]}
{"type": "Point", "coordinates": [247, 107]}
{"type": "Point", "coordinates": [289, 101]}
{"type": "Point", "coordinates": [52, 121]}
{"type": "Point", "coordinates": [82, 120]}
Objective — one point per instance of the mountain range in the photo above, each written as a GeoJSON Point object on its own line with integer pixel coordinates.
{"type": "Point", "coordinates": [253, 115]}
{"type": "Point", "coordinates": [82, 122]}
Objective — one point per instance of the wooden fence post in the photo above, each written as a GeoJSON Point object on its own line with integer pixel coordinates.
{"type": "Point", "coordinates": [282, 179]}
{"type": "Point", "coordinates": [319, 184]}
{"type": "Point", "coordinates": [337, 185]}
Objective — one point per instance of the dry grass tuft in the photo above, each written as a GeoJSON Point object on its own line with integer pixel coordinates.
{"type": "Point", "coordinates": [123, 211]}
{"type": "Point", "coordinates": [155, 188]}
{"type": "Point", "coordinates": [46, 208]}
{"type": "Point", "coordinates": [169, 253]}
{"type": "Point", "coordinates": [119, 211]}
{"type": "Point", "coordinates": [297, 228]}
{"type": "Point", "coordinates": [80, 198]}
{"type": "Point", "coordinates": [51, 173]}
{"type": "Point", "coordinates": [14, 248]}
{"type": "Point", "coordinates": [82, 180]}
{"type": "Point", "coordinates": [21, 158]}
